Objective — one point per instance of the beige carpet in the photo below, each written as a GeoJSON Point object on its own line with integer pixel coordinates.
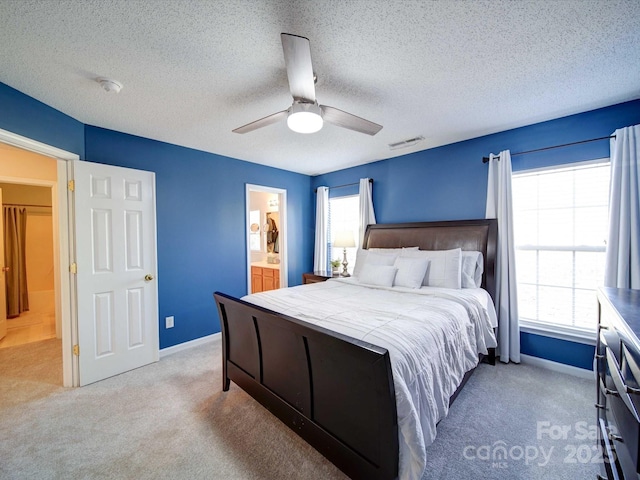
{"type": "Point", "coordinates": [30, 372]}
{"type": "Point", "coordinates": [168, 420]}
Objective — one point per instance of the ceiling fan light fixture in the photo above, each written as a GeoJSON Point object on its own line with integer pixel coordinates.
{"type": "Point", "coordinates": [305, 118]}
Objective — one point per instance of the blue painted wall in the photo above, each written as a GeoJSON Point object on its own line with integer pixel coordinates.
{"type": "Point", "coordinates": [200, 202]}
{"type": "Point", "coordinates": [557, 350]}
{"type": "Point", "coordinates": [450, 182]}
{"type": "Point", "coordinates": [26, 116]}
{"type": "Point", "coordinates": [200, 208]}
{"type": "Point", "coordinates": [200, 199]}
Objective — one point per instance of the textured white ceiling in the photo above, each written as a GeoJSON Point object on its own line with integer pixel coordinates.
{"type": "Point", "coordinates": [447, 70]}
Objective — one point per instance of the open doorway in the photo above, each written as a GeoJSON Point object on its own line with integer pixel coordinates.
{"type": "Point", "coordinates": [27, 238]}
{"type": "Point", "coordinates": [27, 161]}
{"type": "Point", "coordinates": [266, 229]}
{"type": "Point", "coordinates": [31, 347]}
{"type": "Point", "coordinates": [75, 240]}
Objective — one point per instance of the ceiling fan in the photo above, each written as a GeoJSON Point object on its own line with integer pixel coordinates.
{"type": "Point", "coordinates": [305, 115]}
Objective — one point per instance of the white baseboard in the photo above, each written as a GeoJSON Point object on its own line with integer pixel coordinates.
{"type": "Point", "coordinates": [190, 344]}
{"type": "Point", "coordinates": [557, 367]}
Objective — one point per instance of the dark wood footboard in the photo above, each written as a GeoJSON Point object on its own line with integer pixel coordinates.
{"type": "Point", "coordinates": [334, 391]}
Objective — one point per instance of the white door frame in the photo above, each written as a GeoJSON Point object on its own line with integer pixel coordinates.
{"type": "Point", "coordinates": [282, 209]}
{"type": "Point", "coordinates": [62, 213]}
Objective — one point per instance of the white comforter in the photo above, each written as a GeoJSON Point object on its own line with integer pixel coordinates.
{"type": "Point", "coordinates": [433, 336]}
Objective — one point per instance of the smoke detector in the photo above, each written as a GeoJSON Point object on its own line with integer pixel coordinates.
{"type": "Point", "coordinates": [109, 85]}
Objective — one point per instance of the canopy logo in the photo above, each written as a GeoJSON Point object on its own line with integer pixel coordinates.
{"type": "Point", "coordinates": [585, 450]}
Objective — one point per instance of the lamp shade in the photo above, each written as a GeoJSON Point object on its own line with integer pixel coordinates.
{"type": "Point", "coordinates": [344, 239]}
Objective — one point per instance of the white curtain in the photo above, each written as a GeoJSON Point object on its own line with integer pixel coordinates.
{"type": "Point", "coordinates": [367, 215]}
{"type": "Point", "coordinates": [320, 256]}
{"type": "Point", "coordinates": [499, 205]}
{"type": "Point", "coordinates": [622, 267]}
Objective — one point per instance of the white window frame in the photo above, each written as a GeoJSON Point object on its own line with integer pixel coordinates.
{"type": "Point", "coordinates": [555, 330]}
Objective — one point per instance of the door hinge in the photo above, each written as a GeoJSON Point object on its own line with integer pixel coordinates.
{"type": "Point", "coordinates": [73, 268]}
{"type": "Point", "coordinates": [76, 350]}
{"type": "Point", "coordinates": [71, 185]}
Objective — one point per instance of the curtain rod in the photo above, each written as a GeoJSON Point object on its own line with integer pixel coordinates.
{"type": "Point", "coordinates": [24, 205]}
{"type": "Point", "coordinates": [345, 185]}
{"type": "Point", "coordinates": [486, 159]}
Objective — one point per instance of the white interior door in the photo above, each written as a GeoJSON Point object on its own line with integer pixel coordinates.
{"type": "Point", "coordinates": [3, 277]}
{"type": "Point", "coordinates": [117, 295]}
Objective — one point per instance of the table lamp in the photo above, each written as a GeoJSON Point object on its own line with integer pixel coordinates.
{"type": "Point", "coordinates": [344, 239]}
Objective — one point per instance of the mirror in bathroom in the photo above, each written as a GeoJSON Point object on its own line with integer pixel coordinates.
{"type": "Point", "coordinates": [254, 231]}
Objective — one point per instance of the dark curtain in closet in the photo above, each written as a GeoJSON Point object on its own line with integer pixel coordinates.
{"type": "Point", "coordinates": [15, 228]}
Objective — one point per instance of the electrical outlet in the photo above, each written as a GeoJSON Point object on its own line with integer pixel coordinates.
{"type": "Point", "coordinates": [168, 322]}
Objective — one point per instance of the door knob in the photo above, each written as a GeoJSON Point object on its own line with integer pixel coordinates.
{"type": "Point", "coordinates": [148, 277]}
{"type": "Point", "coordinates": [5, 269]}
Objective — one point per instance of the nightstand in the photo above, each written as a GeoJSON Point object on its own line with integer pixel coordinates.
{"type": "Point", "coordinates": [315, 277]}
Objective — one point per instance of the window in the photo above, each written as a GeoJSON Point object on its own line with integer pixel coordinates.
{"type": "Point", "coordinates": [560, 229]}
{"type": "Point", "coordinates": [343, 215]}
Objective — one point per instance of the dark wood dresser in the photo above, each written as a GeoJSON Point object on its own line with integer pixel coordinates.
{"type": "Point", "coordinates": [618, 382]}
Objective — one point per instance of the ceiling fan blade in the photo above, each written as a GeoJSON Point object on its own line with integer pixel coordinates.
{"type": "Point", "coordinates": [297, 57]}
{"type": "Point", "coordinates": [263, 122]}
{"type": "Point", "coordinates": [347, 120]}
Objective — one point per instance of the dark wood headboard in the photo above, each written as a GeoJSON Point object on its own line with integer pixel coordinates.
{"type": "Point", "coordinates": [478, 235]}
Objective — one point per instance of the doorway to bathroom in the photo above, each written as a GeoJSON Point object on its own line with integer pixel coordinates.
{"type": "Point", "coordinates": [28, 246]}
{"type": "Point", "coordinates": [31, 338]}
{"type": "Point", "coordinates": [266, 238]}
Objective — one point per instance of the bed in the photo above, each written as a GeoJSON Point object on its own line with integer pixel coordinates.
{"type": "Point", "coordinates": [335, 387]}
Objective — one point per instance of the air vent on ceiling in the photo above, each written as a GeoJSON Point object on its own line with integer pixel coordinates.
{"type": "Point", "coordinates": [406, 143]}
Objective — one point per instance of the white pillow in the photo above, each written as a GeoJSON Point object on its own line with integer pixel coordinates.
{"type": "Point", "coordinates": [364, 257]}
{"type": "Point", "coordinates": [392, 250]}
{"type": "Point", "coordinates": [411, 272]}
{"type": "Point", "coordinates": [444, 267]}
{"type": "Point", "coordinates": [380, 275]}
{"type": "Point", "coordinates": [472, 269]}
